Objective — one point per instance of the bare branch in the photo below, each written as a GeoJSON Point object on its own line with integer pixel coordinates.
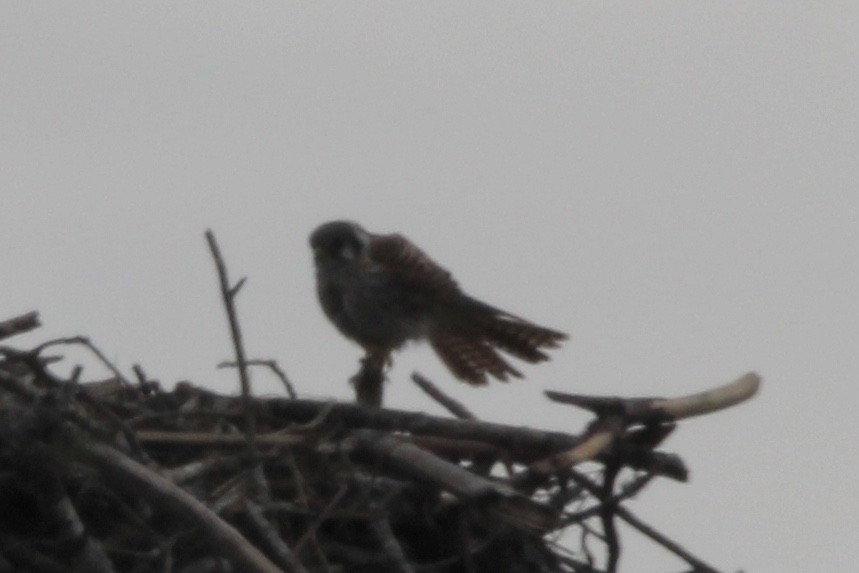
{"type": "Point", "coordinates": [509, 505]}
{"type": "Point", "coordinates": [392, 548]}
{"type": "Point", "coordinates": [595, 444]}
{"type": "Point", "coordinates": [285, 557]}
{"type": "Point", "coordinates": [519, 441]}
{"type": "Point", "coordinates": [19, 324]}
{"type": "Point", "coordinates": [645, 410]}
{"type": "Point", "coordinates": [208, 439]}
{"type": "Point", "coordinates": [273, 366]}
{"type": "Point", "coordinates": [228, 294]}
{"type": "Point", "coordinates": [713, 400]}
{"type": "Point", "coordinates": [663, 540]}
{"type": "Point", "coordinates": [644, 528]}
{"type": "Point", "coordinates": [125, 473]}
{"type": "Point", "coordinates": [323, 515]}
{"type": "Point", "coordinates": [434, 392]}
{"type": "Point", "coordinates": [85, 341]}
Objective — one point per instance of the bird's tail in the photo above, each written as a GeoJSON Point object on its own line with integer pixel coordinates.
{"type": "Point", "coordinates": [469, 346]}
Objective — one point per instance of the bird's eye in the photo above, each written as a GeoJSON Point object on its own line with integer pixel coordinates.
{"type": "Point", "coordinates": [342, 249]}
{"type": "Point", "coordinates": [347, 250]}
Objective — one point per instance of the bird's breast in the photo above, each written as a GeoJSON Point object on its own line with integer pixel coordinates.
{"type": "Point", "coordinates": [368, 307]}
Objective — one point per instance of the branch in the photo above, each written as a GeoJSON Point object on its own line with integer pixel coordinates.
{"type": "Point", "coordinates": [672, 546]}
{"type": "Point", "coordinates": [382, 529]}
{"type": "Point", "coordinates": [285, 556]}
{"type": "Point", "coordinates": [19, 324]}
{"type": "Point", "coordinates": [228, 295]}
{"type": "Point", "coordinates": [713, 400]}
{"type": "Point", "coordinates": [600, 439]}
{"type": "Point", "coordinates": [271, 365]}
{"type": "Point", "coordinates": [129, 475]}
{"type": "Point", "coordinates": [521, 442]}
{"type": "Point", "coordinates": [645, 410]}
{"type": "Point", "coordinates": [630, 518]}
{"type": "Point", "coordinates": [84, 341]}
{"type": "Point", "coordinates": [434, 392]}
{"type": "Point", "coordinates": [503, 501]}
{"type": "Point", "coordinates": [212, 439]}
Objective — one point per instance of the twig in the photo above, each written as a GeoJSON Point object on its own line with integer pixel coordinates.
{"type": "Point", "coordinates": [612, 540]}
{"type": "Point", "coordinates": [198, 468]}
{"type": "Point", "coordinates": [465, 544]}
{"type": "Point", "coordinates": [508, 505]}
{"type": "Point", "coordinates": [127, 474]}
{"type": "Point", "coordinates": [644, 459]}
{"type": "Point", "coordinates": [146, 385]}
{"type": "Point", "coordinates": [273, 366]}
{"type": "Point", "coordinates": [91, 555]}
{"type": "Point", "coordinates": [209, 439]}
{"type": "Point", "coordinates": [521, 442]}
{"type": "Point", "coordinates": [141, 375]}
{"type": "Point", "coordinates": [673, 546]}
{"type": "Point", "coordinates": [395, 454]}
{"type": "Point", "coordinates": [392, 548]}
{"type": "Point", "coordinates": [644, 528]}
{"type": "Point", "coordinates": [231, 493]}
{"type": "Point", "coordinates": [119, 422]}
{"type": "Point", "coordinates": [645, 410]}
{"type": "Point", "coordinates": [601, 438]}
{"type": "Point", "coordinates": [458, 448]}
{"type": "Point", "coordinates": [285, 556]}
{"type": "Point", "coordinates": [311, 531]}
{"type": "Point", "coordinates": [19, 324]}
{"type": "Point", "coordinates": [628, 491]}
{"type": "Point", "coordinates": [84, 341]}
{"type": "Point", "coordinates": [434, 392]}
{"type": "Point", "coordinates": [228, 295]}
{"type": "Point", "coordinates": [713, 400]}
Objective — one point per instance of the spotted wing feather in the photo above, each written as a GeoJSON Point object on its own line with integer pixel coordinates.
{"type": "Point", "coordinates": [467, 333]}
{"type": "Point", "coordinates": [411, 267]}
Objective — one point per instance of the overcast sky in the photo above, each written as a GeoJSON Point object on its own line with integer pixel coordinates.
{"type": "Point", "coordinates": [674, 184]}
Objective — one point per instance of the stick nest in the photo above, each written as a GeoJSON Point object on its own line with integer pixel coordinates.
{"type": "Point", "coordinates": [119, 475]}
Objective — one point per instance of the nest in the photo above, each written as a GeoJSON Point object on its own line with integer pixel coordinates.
{"type": "Point", "coordinates": [116, 475]}
{"type": "Point", "coordinates": [122, 475]}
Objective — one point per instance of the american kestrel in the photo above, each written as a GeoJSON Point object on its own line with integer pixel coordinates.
{"type": "Point", "coordinates": [382, 291]}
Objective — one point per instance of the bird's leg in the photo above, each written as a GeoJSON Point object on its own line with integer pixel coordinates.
{"type": "Point", "coordinates": [369, 381]}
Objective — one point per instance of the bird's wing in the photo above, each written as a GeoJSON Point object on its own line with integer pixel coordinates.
{"type": "Point", "coordinates": [410, 266]}
{"type": "Point", "coordinates": [470, 358]}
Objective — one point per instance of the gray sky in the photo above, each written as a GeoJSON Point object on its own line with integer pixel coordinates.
{"type": "Point", "coordinates": [672, 183]}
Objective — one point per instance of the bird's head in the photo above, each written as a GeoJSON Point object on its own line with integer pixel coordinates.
{"type": "Point", "coordinates": [338, 242]}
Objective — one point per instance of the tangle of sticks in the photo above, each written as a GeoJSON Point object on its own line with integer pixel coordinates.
{"type": "Point", "coordinates": [123, 475]}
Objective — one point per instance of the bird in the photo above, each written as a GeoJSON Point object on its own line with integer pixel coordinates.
{"type": "Point", "coordinates": [381, 291]}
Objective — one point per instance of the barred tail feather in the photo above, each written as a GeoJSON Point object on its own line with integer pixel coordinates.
{"type": "Point", "coordinates": [470, 359]}
{"type": "Point", "coordinates": [469, 341]}
{"type": "Point", "coordinates": [520, 338]}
